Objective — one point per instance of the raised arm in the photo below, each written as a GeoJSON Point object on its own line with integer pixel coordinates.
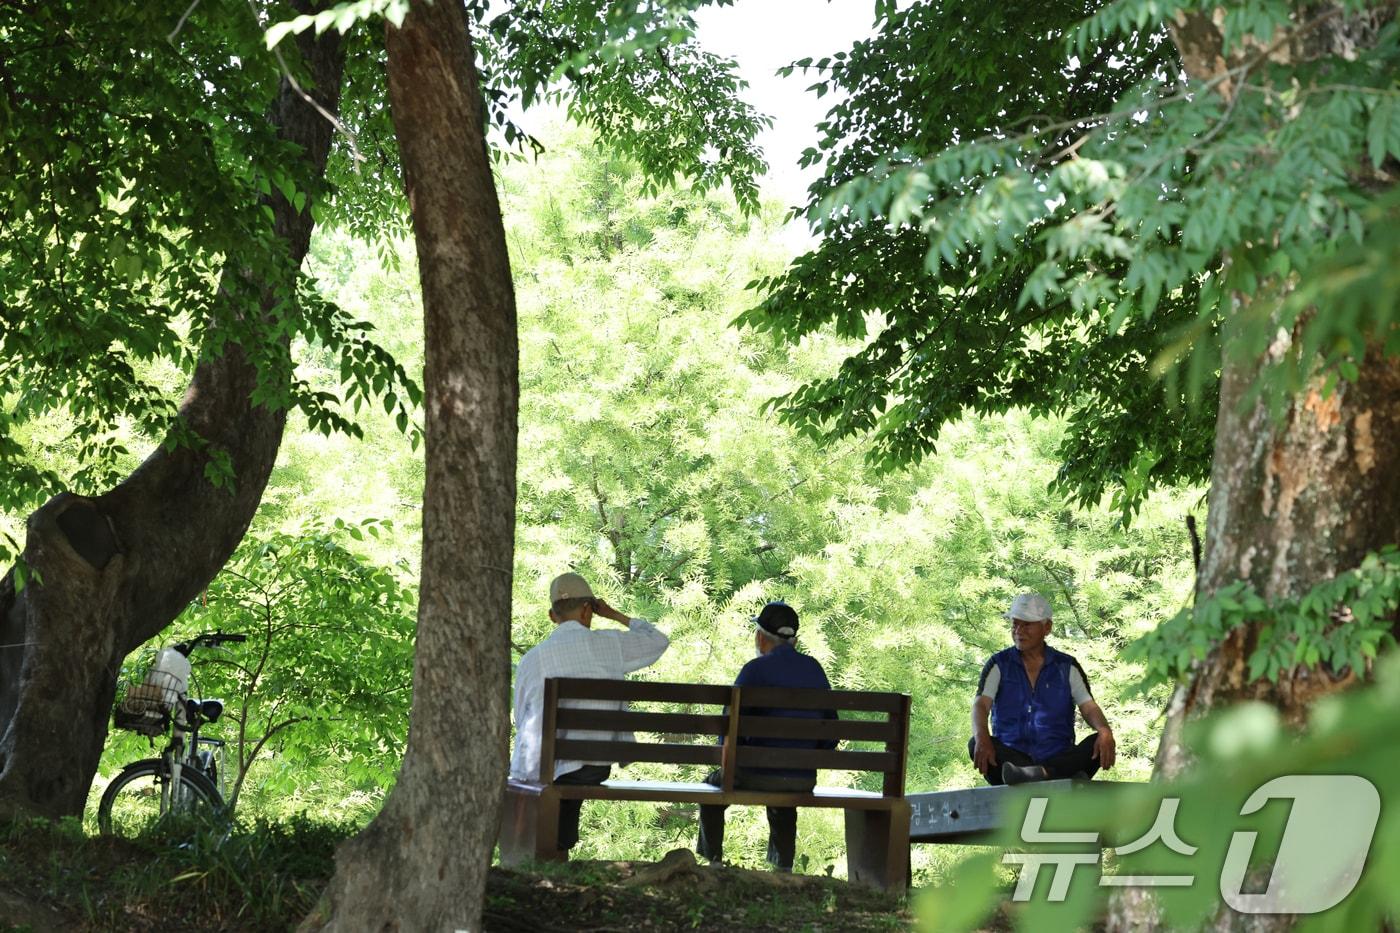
{"type": "Point", "coordinates": [641, 645]}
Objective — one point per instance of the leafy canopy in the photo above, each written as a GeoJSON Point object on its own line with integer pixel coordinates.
{"type": "Point", "coordinates": [139, 167]}
{"type": "Point", "coordinates": [1053, 216]}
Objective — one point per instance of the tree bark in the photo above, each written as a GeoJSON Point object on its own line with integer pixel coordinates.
{"type": "Point", "coordinates": [1298, 500]}
{"type": "Point", "coordinates": [1293, 501]}
{"type": "Point", "coordinates": [422, 863]}
{"type": "Point", "coordinates": [109, 572]}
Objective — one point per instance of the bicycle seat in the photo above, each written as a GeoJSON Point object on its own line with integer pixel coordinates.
{"type": "Point", "coordinates": [208, 710]}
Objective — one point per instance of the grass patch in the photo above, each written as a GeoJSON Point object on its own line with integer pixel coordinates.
{"type": "Point", "coordinates": [265, 876]}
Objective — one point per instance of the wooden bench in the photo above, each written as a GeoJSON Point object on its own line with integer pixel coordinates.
{"type": "Point", "coordinates": [877, 824]}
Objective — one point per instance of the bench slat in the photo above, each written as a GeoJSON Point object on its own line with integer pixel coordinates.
{"type": "Point", "coordinates": [634, 721]}
{"type": "Point", "coordinates": [787, 727]}
{"type": "Point", "coordinates": [627, 786]}
{"type": "Point", "coordinates": [577, 750]}
{"type": "Point", "coordinates": [581, 688]}
{"type": "Point", "coordinates": [751, 756]}
{"type": "Point", "coordinates": [799, 698]}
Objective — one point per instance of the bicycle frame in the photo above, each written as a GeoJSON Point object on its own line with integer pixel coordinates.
{"type": "Point", "coordinates": [174, 753]}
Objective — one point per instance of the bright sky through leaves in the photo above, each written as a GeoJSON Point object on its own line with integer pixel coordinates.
{"type": "Point", "coordinates": [763, 36]}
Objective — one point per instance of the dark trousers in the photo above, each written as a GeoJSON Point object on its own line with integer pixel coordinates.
{"type": "Point", "coordinates": [1072, 761]}
{"type": "Point", "coordinates": [782, 821]}
{"type": "Point", "coordinates": [569, 810]}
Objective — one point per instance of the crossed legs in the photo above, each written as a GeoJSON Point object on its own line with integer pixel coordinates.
{"type": "Point", "coordinates": [1074, 760]}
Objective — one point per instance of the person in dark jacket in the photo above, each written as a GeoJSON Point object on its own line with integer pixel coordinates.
{"type": "Point", "coordinates": [1031, 692]}
{"type": "Point", "coordinates": [777, 664]}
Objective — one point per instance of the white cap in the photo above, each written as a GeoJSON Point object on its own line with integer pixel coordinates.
{"type": "Point", "coordinates": [1029, 607]}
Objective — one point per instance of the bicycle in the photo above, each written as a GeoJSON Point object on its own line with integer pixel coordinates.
{"type": "Point", "coordinates": [183, 787]}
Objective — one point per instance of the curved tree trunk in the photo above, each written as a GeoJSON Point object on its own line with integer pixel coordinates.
{"type": "Point", "coordinates": [422, 863]}
{"type": "Point", "coordinates": [109, 572]}
{"type": "Point", "coordinates": [1293, 502]}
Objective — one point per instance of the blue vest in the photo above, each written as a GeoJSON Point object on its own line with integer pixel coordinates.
{"type": "Point", "coordinates": [1038, 721]}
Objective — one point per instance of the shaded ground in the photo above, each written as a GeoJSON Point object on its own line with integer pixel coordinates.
{"type": "Point", "coordinates": [267, 877]}
{"type": "Point", "coordinates": [676, 894]}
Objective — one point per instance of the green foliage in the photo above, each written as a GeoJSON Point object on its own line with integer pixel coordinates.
{"type": "Point", "coordinates": [141, 170]}
{"type": "Point", "coordinates": [1341, 623]}
{"type": "Point", "coordinates": [937, 347]}
{"type": "Point", "coordinates": [1173, 200]}
{"type": "Point", "coordinates": [325, 678]}
{"type": "Point", "coordinates": [634, 73]}
{"type": "Point", "coordinates": [644, 466]}
{"type": "Point", "coordinates": [632, 381]}
{"type": "Point", "coordinates": [138, 165]}
{"type": "Point", "coordinates": [623, 328]}
{"type": "Point", "coordinates": [342, 18]}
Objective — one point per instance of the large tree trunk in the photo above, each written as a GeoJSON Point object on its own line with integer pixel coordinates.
{"type": "Point", "coordinates": [1291, 505]}
{"type": "Point", "coordinates": [1296, 501]}
{"type": "Point", "coordinates": [1293, 501]}
{"type": "Point", "coordinates": [109, 572]}
{"type": "Point", "coordinates": [422, 863]}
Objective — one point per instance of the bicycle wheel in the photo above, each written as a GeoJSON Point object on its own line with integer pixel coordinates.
{"type": "Point", "coordinates": [141, 801]}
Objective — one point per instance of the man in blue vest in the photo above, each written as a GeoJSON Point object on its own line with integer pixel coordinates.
{"type": "Point", "coordinates": [777, 664]}
{"type": "Point", "coordinates": [1031, 691]}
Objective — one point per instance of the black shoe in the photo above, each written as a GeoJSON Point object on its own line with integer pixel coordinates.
{"type": "Point", "coordinates": [1017, 774]}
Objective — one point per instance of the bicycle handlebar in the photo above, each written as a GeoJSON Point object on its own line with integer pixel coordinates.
{"type": "Point", "coordinates": [208, 640]}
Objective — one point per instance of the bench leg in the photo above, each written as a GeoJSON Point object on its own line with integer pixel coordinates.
{"type": "Point", "coordinates": [530, 829]}
{"type": "Point", "coordinates": [877, 847]}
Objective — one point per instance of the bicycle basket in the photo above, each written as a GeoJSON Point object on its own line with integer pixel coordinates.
{"type": "Point", "coordinates": [145, 705]}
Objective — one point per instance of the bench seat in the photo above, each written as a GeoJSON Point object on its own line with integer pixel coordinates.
{"type": "Point", "coordinates": [695, 792]}
{"type": "Point", "coordinates": [976, 814]}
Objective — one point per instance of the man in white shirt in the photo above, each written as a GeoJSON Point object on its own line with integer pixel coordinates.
{"type": "Point", "coordinates": [573, 649]}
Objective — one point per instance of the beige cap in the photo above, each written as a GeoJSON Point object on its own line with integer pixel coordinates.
{"type": "Point", "coordinates": [569, 586]}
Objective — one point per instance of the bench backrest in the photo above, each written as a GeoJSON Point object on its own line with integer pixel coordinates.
{"type": "Point", "coordinates": [690, 738]}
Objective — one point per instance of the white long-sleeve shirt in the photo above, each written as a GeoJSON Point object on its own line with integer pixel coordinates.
{"type": "Point", "coordinates": [574, 651]}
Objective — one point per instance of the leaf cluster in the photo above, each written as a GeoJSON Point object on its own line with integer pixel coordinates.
{"type": "Point", "coordinates": [326, 674]}
{"type": "Point", "coordinates": [1172, 216]}
{"type": "Point", "coordinates": [946, 327]}
{"type": "Point", "coordinates": [634, 73]}
{"type": "Point", "coordinates": [1341, 623]}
